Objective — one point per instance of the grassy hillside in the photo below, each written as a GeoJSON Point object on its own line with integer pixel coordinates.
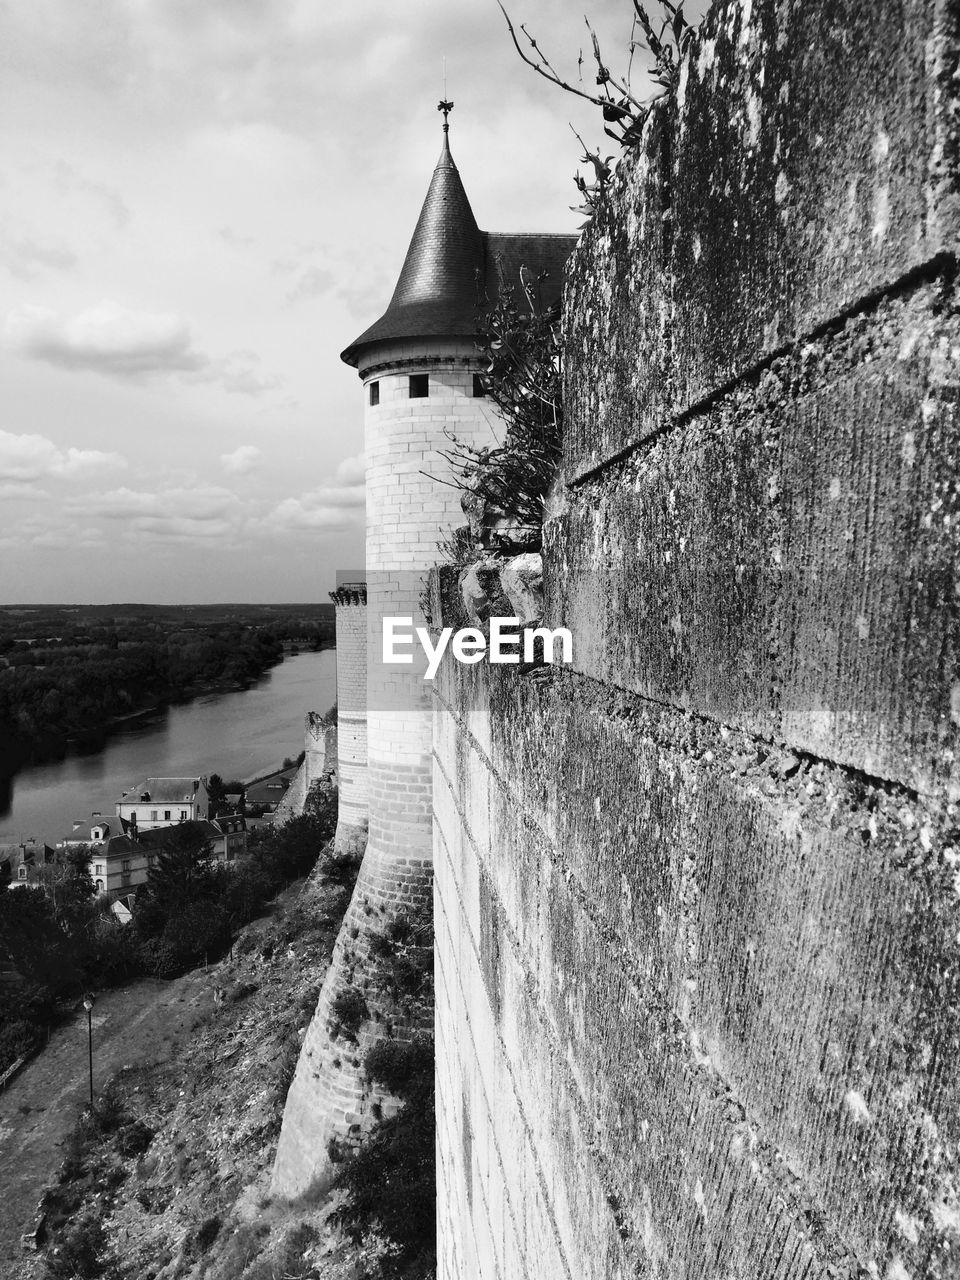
{"type": "Point", "coordinates": [168, 1177]}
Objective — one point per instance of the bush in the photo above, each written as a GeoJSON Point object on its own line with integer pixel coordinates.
{"type": "Point", "coordinates": [110, 1110]}
{"type": "Point", "coordinates": [400, 1068]}
{"type": "Point", "coordinates": [17, 1038]}
{"type": "Point", "coordinates": [391, 1181]}
{"type": "Point", "coordinates": [134, 1138]}
{"type": "Point", "coordinates": [348, 1010]}
{"type": "Point", "coordinates": [200, 930]}
{"type": "Point", "coordinates": [79, 1252]}
{"type": "Point", "coordinates": [207, 1233]}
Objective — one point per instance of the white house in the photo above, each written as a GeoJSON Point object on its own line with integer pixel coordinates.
{"type": "Point", "coordinates": [162, 802]}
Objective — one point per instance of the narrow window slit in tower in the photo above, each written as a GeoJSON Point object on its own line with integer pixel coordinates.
{"type": "Point", "coordinates": [478, 388]}
{"type": "Point", "coordinates": [419, 386]}
{"type": "Point", "coordinates": [374, 392]}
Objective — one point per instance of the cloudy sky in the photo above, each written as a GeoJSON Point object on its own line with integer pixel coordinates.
{"type": "Point", "coordinates": [201, 203]}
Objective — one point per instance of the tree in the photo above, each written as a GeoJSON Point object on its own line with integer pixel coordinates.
{"type": "Point", "coordinates": [70, 887]}
{"type": "Point", "coordinates": [182, 874]}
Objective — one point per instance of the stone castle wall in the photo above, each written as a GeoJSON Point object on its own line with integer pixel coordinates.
{"type": "Point", "coordinates": [320, 746]}
{"type": "Point", "coordinates": [353, 803]}
{"type": "Point", "coordinates": [696, 896]}
{"type": "Point", "coordinates": [319, 761]}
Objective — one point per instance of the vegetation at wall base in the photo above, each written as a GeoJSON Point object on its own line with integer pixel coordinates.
{"type": "Point", "coordinates": [389, 1181]}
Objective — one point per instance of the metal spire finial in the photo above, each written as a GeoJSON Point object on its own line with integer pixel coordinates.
{"type": "Point", "coordinates": [443, 105]}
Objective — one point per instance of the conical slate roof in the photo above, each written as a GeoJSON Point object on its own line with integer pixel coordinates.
{"type": "Point", "coordinates": [441, 283]}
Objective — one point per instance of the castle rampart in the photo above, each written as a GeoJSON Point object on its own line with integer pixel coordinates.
{"type": "Point", "coordinates": [353, 804]}
{"type": "Point", "coordinates": [696, 910]}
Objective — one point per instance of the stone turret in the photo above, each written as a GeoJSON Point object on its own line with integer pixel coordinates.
{"type": "Point", "coordinates": [420, 366]}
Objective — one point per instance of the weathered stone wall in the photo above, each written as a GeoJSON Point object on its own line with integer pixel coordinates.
{"type": "Point", "coordinates": [353, 804]}
{"type": "Point", "coordinates": [320, 747]}
{"type": "Point", "coordinates": [291, 805]}
{"type": "Point", "coordinates": [319, 761]}
{"type": "Point", "coordinates": [696, 898]}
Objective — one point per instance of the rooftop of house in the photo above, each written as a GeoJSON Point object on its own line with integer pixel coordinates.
{"type": "Point", "coordinates": [453, 271]}
{"type": "Point", "coordinates": [29, 851]}
{"type": "Point", "coordinates": [161, 790]}
{"type": "Point", "coordinates": [155, 838]}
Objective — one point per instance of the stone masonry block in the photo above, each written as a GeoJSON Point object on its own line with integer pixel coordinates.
{"type": "Point", "coordinates": [773, 939]}
{"type": "Point", "coordinates": [785, 561]}
{"type": "Point", "coordinates": [815, 163]}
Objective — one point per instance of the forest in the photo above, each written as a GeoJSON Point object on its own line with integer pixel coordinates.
{"type": "Point", "coordinates": [69, 674]}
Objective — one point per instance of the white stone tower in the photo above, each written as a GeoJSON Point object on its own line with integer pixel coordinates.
{"type": "Point", "coordinates": [420, 367]}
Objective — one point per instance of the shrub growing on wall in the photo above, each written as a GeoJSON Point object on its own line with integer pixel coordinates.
{"type": "Point", "coordinates": [391, 1182]}
{"type": "Point", "coordinates": [523, 378]}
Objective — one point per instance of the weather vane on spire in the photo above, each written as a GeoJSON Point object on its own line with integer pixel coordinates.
{"type": "Point", "coordinates": [443, 105]}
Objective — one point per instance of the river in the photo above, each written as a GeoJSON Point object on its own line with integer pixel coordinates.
{"type": "Point", "coordinates": [235, 734]}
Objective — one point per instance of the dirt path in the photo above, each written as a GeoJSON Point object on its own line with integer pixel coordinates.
{"type": "Point", "coordinates": [140, 1024]}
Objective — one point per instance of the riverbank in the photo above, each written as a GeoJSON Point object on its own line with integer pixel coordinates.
{"type": "Point", "coordinates": [13, 758]}
{"type": "Point", "coordinates": [235, 733]}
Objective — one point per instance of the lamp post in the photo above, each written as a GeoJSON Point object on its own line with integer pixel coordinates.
{"type": "Point", "coordinates": [88, 1005]}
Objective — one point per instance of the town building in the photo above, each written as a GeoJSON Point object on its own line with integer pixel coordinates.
{"type": "Point", "coordinates": [121, 863]}
{"type": "Point", "coordinates": [25, 863]}
{"type": "Point", "coordinates": [162, 802]}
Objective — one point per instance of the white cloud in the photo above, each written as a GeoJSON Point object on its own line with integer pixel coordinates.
{"type": "Point", "coordinates": [25, 459]}
{"type": "Point", "coordinates": [25, 256]}
{"type": "Point", "coordinates": [200, 502]}
{"type": "Point", "coordinates": [19, 489]}
{"type": "Point", "coordinates": [242, 460]}
{"type": "Point", "coordinates": [68, 180]}
{"type": "Point", "coordinates": [201, 513]}
{"type": "Point", "coordinates": [338, 506]}
{"type": "Point", "coordinates": [107, 338]}
{"type": "Point", "coordinates": [294, 514]}
{"type": "Point", "coordinates": [352, 471]}
{"type": "Point", "coordinates": [314, 283]}
{"type": "Point", "coordinates": [120, 343]}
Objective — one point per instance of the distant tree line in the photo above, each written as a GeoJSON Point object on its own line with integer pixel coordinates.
{"type": "Point", "coordinates": [76, 685]}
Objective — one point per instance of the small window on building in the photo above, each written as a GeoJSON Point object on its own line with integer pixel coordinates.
{"type": "Point", "coordinates": [99, 886]}
{"type": "Point", "coordinates": [98, 869]}
{"type": "Point", "coordinates": [183, 815]}
{"type": "Point", "coordinates": [22, 873]}
{"type": "Point", "coordinates": [478, 388]}
{"type": "Point", "coordinates": [133, 815]}
{"type": "Point", "coordinates": [166, 815]}
{"type": "Point", "coordinates": [153, 815]}
{"type": "Point", "coordinates": [125, 865]}
{"type": "Point", "coordinates": [419, 386]}
{"type": "Point", "coordinates": [374, 392]}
